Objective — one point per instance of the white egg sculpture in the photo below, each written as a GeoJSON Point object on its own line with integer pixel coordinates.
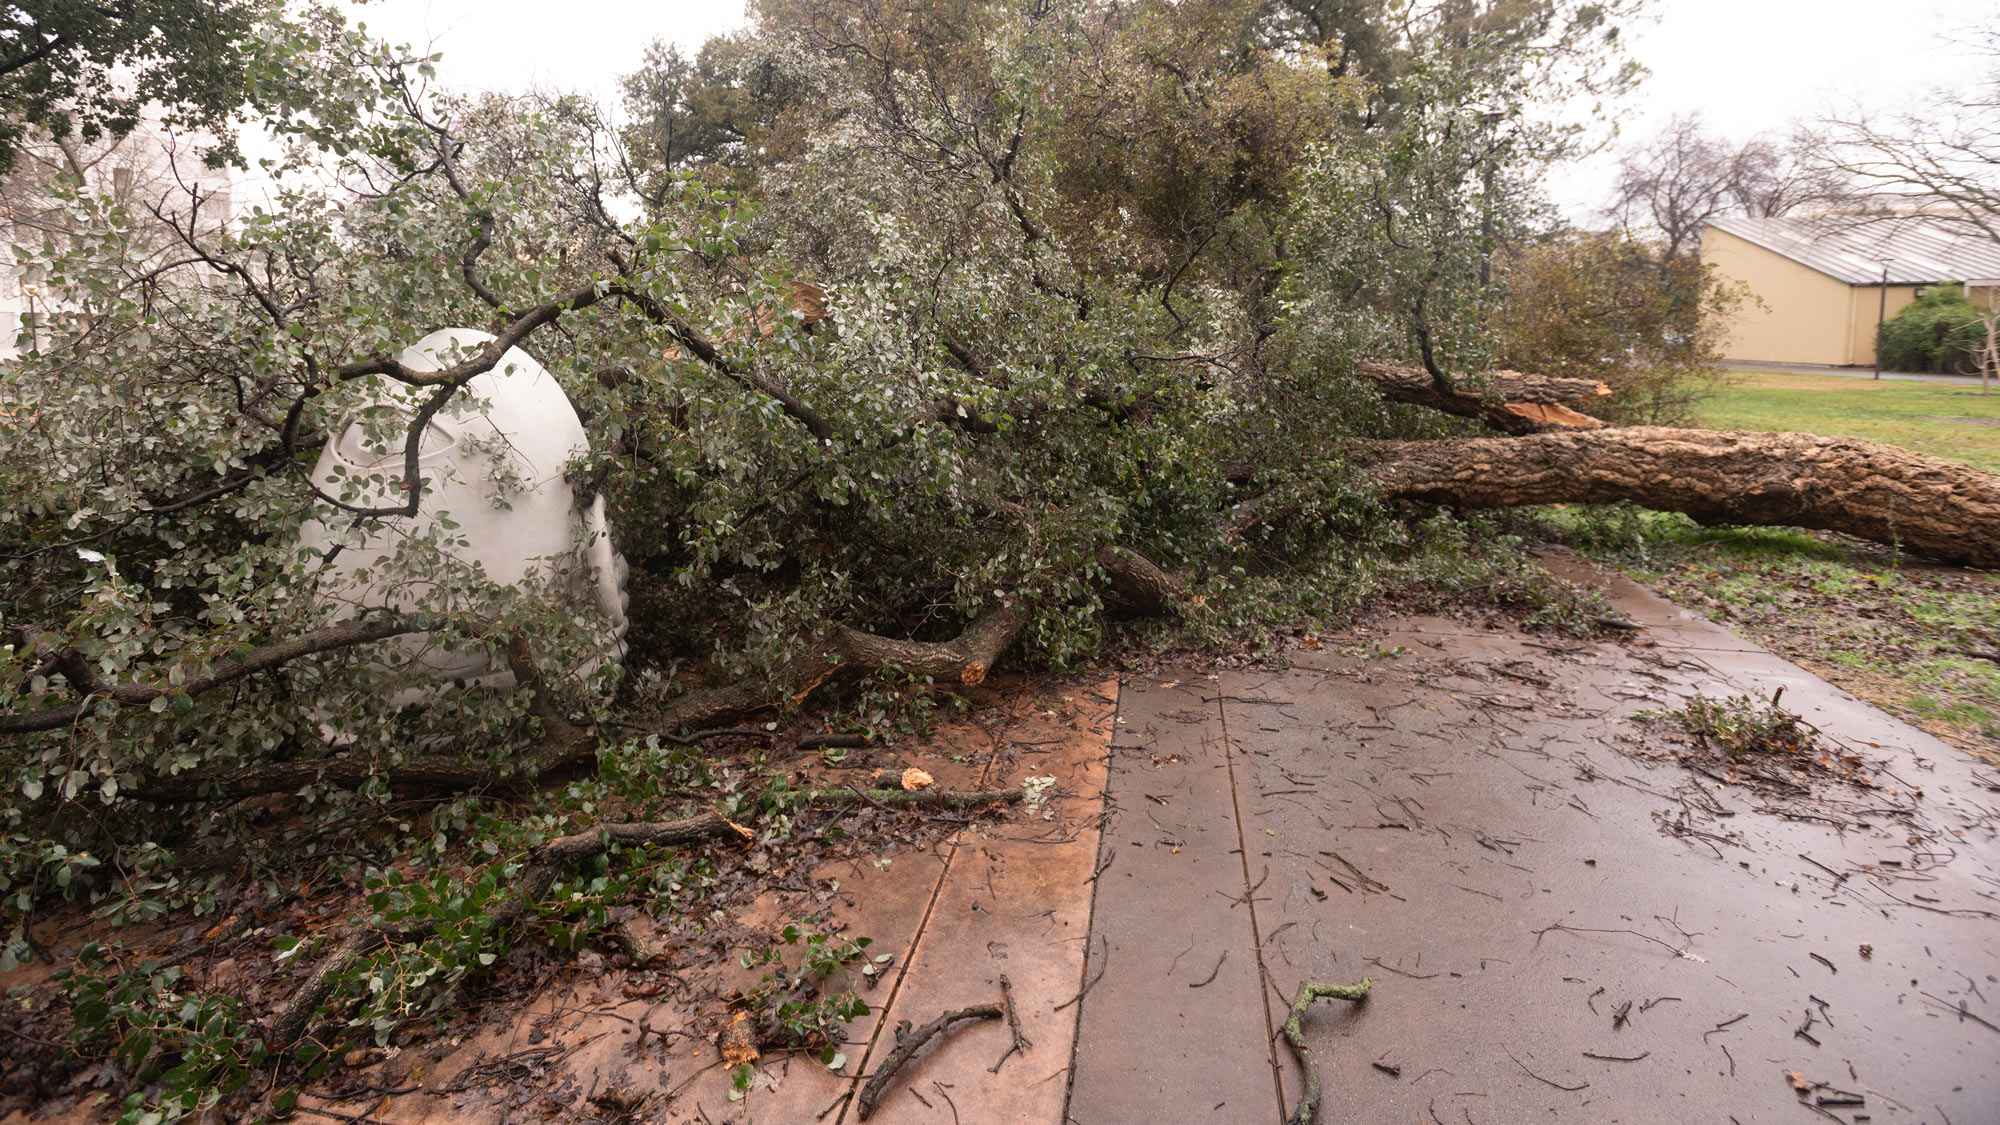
{"type": "Point", "coordinates": [492, 461]}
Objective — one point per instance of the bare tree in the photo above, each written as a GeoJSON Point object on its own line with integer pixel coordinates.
{"type": "Point", "coordinates": [1771, 179]}
{"type": "Point", "coordinates": [1940, 157]}
{"type": "Point", "coordinates": [1685, 176]}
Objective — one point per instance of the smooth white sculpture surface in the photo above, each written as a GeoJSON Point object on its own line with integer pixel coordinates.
{"type": "Point", "coordinates": [493, 464]}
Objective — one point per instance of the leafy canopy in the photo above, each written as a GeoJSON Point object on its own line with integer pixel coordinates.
{"type": "Point", "coordinates": [88, 68]}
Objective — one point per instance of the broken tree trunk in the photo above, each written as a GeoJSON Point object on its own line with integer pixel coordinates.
{"type": "Point", "coordinates": [1510, 401]}
{"type": "Point", "coordinates": [1940, 508]}
{"type": "Point", "coordinates": [965, 659]}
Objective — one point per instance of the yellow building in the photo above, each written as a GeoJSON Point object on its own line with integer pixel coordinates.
{"type": "Point", "coordinates": [1818, 283]}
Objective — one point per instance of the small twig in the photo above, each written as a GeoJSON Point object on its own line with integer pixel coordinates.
{"type": "Point", "coordinates": [945, 1093]}
{"type": "Point", "coordinates": [1677, 951]}
{"type": "Point", "coordinates": [1823, 961]}
{"type": "Point", "coordinates": [1802, 1031]}
{"type": "Point", "coordinates": [909, 1046]}
{"type": "Point", "coordinates": [1212, 973]}
{"type": "Point", "coordinates": [1544, 1081]}
{"type": "Point", "coordinates": [1959, 1009]}
{"type": "Point", "coordinates": [1725, 1023]}
{"type": "Point", "coordinates": [1102, 868]}
{"type": "Point", "coordinates": [1616, 1058]}
{"type": "Point", "coordinates": [1103, 962]}
{"type": "Point", "coordinates": [1358, 873]}
{"type": "Point", "coordinates": [1377, 962]}
{"type": "Point", "coordinates": [1307, 1110]}
{"type": "Point", "coordinates": [1839, 877]}
{"type": "Point", "coordinates": [1021, 1042]}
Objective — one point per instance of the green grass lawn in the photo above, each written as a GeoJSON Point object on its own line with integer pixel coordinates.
{"type": "Point", "coordinates": [1942, 419]}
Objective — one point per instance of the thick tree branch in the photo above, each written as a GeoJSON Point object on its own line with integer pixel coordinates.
{"type": "Point", "coordinates": [1879, 492]}
{"type": "Point", "coordinates": [518, 329]}
{"type": "Point", "coordinates": [1512, 402]}
{"type": "Point", "coordinates": [702, 349]}
{"type": "Point", "coordinates": [1140, 582]}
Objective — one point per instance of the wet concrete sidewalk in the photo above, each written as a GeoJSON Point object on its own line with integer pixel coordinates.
{"type": "Point", "coordinates": [1558, 927]}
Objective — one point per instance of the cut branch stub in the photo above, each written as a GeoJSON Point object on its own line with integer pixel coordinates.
{"type": "Point", "coordinates": [965, 659]}
{"type": "Point", "coordinates": [1940, 508]}
{"type": "Point", "coordinates": [1510, 401]}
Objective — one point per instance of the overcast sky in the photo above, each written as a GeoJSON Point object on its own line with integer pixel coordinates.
{"type": "Point", "coordinates": [1747, 65]}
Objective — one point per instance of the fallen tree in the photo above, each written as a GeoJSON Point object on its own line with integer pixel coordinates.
{"type": "Point", "coordinates": [1944, 509]}
{"type": "Point", "coordinates": [968, 347]}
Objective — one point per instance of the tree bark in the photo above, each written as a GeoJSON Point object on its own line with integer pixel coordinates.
{"type": "Point", "coordinates": [1940, 508]}
{"type": "Point", "coordinates": [1140, 582]}
{"type": "Point", "coordinates": [963, 660]}
{"type": "Point", "coordinates": [1510, 401]}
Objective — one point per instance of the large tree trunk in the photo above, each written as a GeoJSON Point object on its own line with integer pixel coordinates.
{"type": "Point", "coordinates": [1510, 401]}
{"type": "Point", "coordinates": [1941, 508]}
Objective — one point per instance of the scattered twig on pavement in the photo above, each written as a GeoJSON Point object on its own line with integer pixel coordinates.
{"type": "Point", "coordinates": [908, 1045]}
{"type": "Point", "coordinates": [1213, 973]}
{"type": "Point", "coordinates": [1102, 961]}
{"type": "Point", "coordinates": [1545, 1081]}
{"type": "Point", "coordinates": [1020, 1041]}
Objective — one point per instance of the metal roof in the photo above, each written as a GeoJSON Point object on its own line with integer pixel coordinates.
{"type": "Point", "coordinates": [1917, 249]}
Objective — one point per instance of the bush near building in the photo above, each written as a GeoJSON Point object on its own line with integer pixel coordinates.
{"type": "Point", "coordinates": [1940, 331]}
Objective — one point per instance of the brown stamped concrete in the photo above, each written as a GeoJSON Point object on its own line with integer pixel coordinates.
{"type": "Point", "coordinates": [1418, 807]}
{"type": "Point", "coordinates": [1011, 899]}
{"type": "Point", "coordinates": [999, 896]}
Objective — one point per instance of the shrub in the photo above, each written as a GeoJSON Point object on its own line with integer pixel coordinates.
{"type": "Point", "coordinates": [1607, 307]}
{"type": "Point", "coordinates": [1940, 331]}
